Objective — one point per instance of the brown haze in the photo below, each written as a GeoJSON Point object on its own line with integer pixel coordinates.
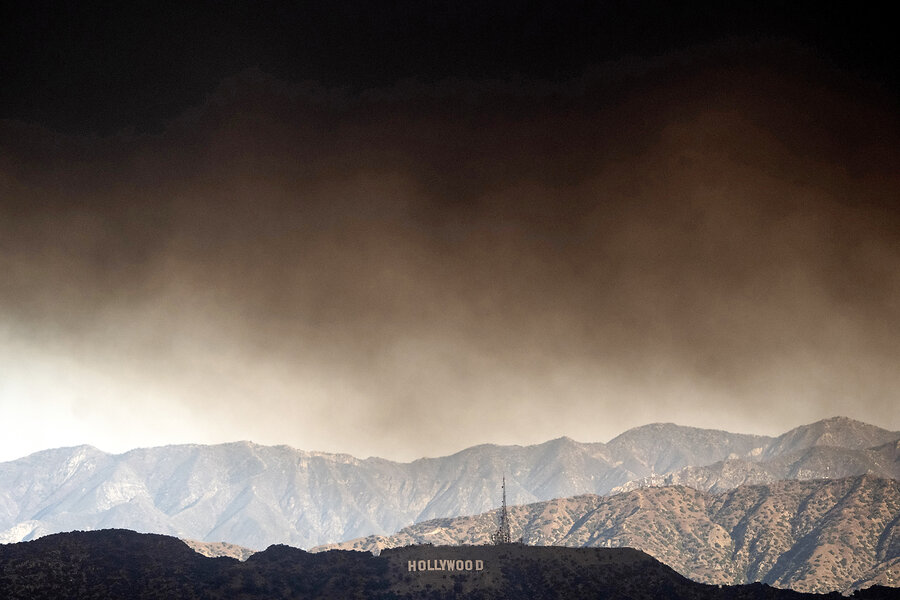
{"type": "Point", "coordinates": [711, 239]}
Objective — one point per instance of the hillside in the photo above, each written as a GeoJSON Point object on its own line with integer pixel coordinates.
{"type": "Point", "coordinates": [124, 564]}
{"type": "Point", "coordinates": [816, 462]}
{"type": "Point", "coordinates": [814, 536]}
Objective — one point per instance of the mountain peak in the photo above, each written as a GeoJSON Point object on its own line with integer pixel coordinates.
{"type": "Point", "coordinates": [73, 452]}
{"type": "Point", "coordinates": [561, 441]}
{"type": "Point", "coordinates": [834, 431]}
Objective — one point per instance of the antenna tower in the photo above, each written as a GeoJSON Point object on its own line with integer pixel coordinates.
{"type": "Point", "coordinates": [502, 535]}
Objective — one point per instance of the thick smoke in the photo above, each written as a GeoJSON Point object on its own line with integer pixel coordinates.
{"type": "Point", "coordinates": [410, 271]}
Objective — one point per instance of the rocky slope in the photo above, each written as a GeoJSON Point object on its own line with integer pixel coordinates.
{"type": "Point", "coordinates": [818, 462]}
{"type": "Point", "coordinates": [255, 496]}
{"type": "Point", "coordinates": [814, 536]}
{"type": "Point", "coordinates": [220, 549]}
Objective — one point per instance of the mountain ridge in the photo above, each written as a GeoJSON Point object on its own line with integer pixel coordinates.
{"type": "Point", "coordinates": [118, 563]}
{"type": "Point", "coordinates": [254, 495]}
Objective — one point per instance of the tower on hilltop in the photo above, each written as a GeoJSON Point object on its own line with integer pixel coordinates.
{"type": "Point", "coordinates": [502, 535]}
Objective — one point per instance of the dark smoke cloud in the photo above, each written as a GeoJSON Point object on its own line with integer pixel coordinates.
{"type": "Point", "coordinates": [711, 241]}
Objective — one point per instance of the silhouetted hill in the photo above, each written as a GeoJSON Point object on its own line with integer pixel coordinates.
{"type": "Point", "coordinates": [118, 563]}
{"type": "Point", "coordinates": [107, 564]}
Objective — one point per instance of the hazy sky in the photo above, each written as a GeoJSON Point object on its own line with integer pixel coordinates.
{"type": "Point", "coordinates": [407, 264]}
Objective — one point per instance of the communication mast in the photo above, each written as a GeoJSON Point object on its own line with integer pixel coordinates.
{"type": "Point", "coordinates": [502, 535]}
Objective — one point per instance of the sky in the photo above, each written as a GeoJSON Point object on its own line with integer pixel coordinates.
{"type": "Point", "coordinates": [404, 230]}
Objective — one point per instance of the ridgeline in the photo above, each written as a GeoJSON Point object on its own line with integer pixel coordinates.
{"type": "Point", "coordinates": [119, 563]}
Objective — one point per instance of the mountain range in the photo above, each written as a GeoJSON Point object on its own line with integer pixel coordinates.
{"type": "Point", "coordinates": [256, 496]}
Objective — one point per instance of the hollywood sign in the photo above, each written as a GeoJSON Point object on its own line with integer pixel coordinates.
{"type": "Point", "coordinates": [445, 565]}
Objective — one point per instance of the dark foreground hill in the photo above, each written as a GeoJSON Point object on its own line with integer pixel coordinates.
{"type": "Point", "coordinates": [118, 563]}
